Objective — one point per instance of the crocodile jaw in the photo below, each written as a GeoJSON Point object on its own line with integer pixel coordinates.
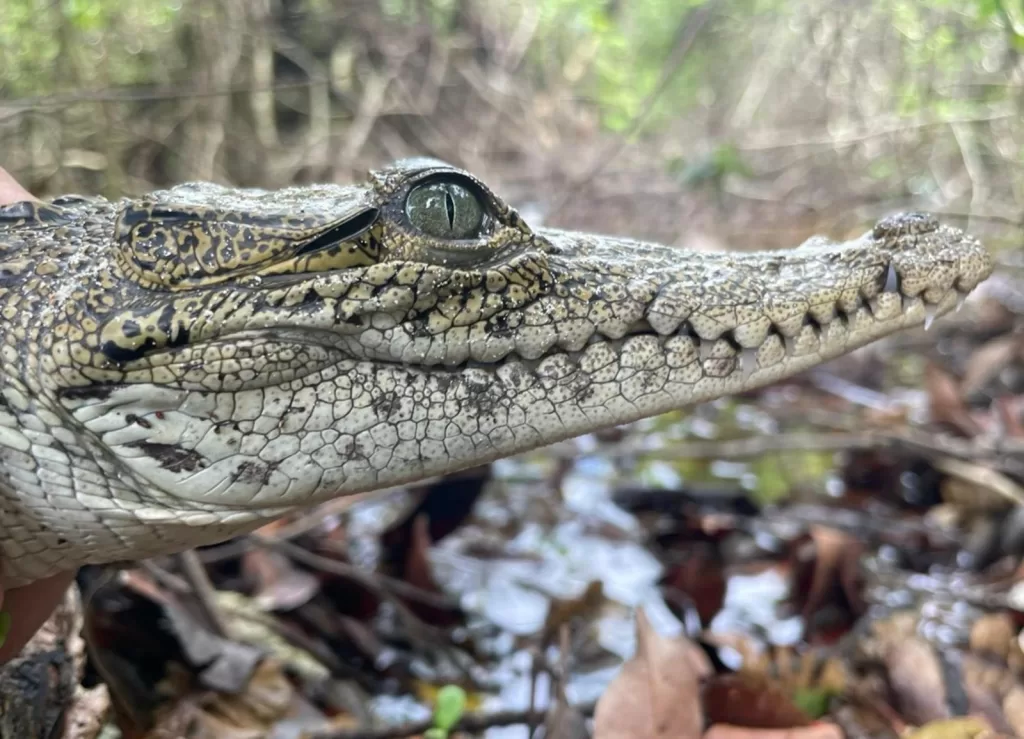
{"type": "Point", "coordinates": [628, 330]}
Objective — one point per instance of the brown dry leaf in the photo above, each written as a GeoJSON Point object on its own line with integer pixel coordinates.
{"type": "Point", "coordinates": [1013, 710]}
{"type": "Point", "coordinates": [965, 727]}
{"type": "Point", "coordinates": [815, 676]}
{"type": "Point", "coordinates": [265, 700]}
{"type": "Point", "coordinates": [749, 699]}
{"type": "Point", "coordinates": [657, 693]}
{"type": "Point", "coordinates": [418, 570]}
{"type": "Point", "coordinates": [1008, 412]}
{"type": "Point", "coordinates": [916, 678]}
{"type": "Point", "coordinates": [279, 584]}
{"type": "Point", "coordinates": [565, 722]}
{"type": "Point", "coordinates": [992, 634]}
{"type": "Point", "coordinates": [835, 567]}
{"type": "Point", "coordinates": [946, 401]}
{"type": "Point", "coordinates": [820, 730]}
{"type": "Point", "coordinates": [700, 575]}
{"type": "Point", "coordinates": [989, 360]}
{"type": "Point", "coordinates": [584, 606]}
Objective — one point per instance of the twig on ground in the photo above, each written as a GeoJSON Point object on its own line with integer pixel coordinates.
{"type": "Point", "coordinates": [375, 582]}
{"type": "Point", "coordinates": [204, 592]}
{"type": "Point", "coordinates": [419, 633]}
{"type": "Point", "coordinates": [471, 722]}
{"type": "Point", "coordinates": [1003, 454]}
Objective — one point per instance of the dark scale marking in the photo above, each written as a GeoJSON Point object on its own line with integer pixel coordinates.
{"type": "Point", "coordinates": [131, 418]}
{"type": "Point", "coordinates": [170, 457]}
{"type": "Point", "coordinates": [88, 392]}
{"type": "Point", "coordinates": [132, 329]}
{"type": "Point", "coordinates": [121, 355]}
{"type": "Point", "coordinates": [254, 472]}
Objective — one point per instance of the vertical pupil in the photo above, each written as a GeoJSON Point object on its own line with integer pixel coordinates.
{"type": "Point", "coordinates": [449, 204]}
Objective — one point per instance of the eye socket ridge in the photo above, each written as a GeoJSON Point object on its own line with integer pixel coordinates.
{"type": "Point", "coordinates": [447, 207]}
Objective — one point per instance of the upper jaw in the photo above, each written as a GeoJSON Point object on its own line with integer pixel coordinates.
{"type": "Point", "coordinates": [747, 309]}
{"type": "Point", "coordinates": [745, 296]}
{"type": "Point", "coordinates": [822, 296]}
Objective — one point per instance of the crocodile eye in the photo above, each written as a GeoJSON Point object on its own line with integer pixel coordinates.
{"type": "Point", "coordinates": [445, 210]}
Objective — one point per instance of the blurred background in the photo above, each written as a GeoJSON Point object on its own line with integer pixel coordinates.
{"type": "Point", "coordinates": [867, 516]}
{"type": "Point", "coordinates": [739, 123]}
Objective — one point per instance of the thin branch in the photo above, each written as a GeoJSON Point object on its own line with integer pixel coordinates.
{"type": "Point", "coordinates": [1004, 454]}
{"type": "Point", "coordinates": [471, 722]}
{"type": "Point", "coordinates": [686, 35]}
{"type": "Point", "coordinates": [792, 139]}
{"type": "Point", "coordinates": [205, 593]}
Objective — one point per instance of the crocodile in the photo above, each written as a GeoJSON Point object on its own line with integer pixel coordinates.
{"type": "Point", "coordinates": [182, 367]}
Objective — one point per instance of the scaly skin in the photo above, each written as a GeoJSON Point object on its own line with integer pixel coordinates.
{"type": "Point", "coordinates": [180, 369]}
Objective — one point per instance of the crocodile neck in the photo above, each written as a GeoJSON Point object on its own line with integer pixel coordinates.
{"type": "Point", "coordinates": [181, 368]}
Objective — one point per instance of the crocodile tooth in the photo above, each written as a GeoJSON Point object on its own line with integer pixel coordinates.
{"type": "Point", "coordinates": [960, 300]}
{"type": "Point", "coordinates": [930, 311]}
{"type": "Point", "coordinates": [748, 362]}
{"type": "Point", "coordinates": [892, 281]}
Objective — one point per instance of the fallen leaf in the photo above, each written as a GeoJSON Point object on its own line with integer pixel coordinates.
{"type": "Point", "coordinates": [245, 622]}
{"type": "Point", "coordinates": [989, 360]}
{"type": "Point", "coordinates": [915, 676]}
{"type": "Point", "coordinates": [828, 574]}
{"type": "Point", "coordinates": [418, 571]}
{"type": "Point", "coordinates": [584, 606]}
{"type": "Point", "coordinates": [565, 722]}
{"type": "Point", "coordinates": [748, 699]}
{"type": "Point", "coordinates": [1013, 709]}
{"type": "Point", "coordinates": [700, 577]}
{"type": "Point", "coordinates": [656, 695]}
{"type": "Point", "coordinates": [279, 584]}
{"type": "Point", "coordinates": [814, 731]}
{"type": "Point", "coordinates": [993, 634]}
{"type": "Point", "coordinates": [1008, 415]}
{"type": "Point", "coordinates": [966, 727]}
{"type": "Point", "coordinates": [266, 699]}
{"type": "Point", "coordinates": [946, 401]}
{"type": "Point", "coordinates": [445, 503]}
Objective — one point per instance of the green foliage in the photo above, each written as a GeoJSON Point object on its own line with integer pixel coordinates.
{"type": "Point", "coordinates": [46, 46]}
{"type": "Point", "coordinates": [813, 701]}
{"type": "Point", "coordinates": [710, 170]}
{"type": "Point", "coordinates": [623, 48]}
{"type": "Point", "coordinates": [451, 704]}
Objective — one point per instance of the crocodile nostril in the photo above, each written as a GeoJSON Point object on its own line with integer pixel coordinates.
{"type": "Point", "coordinates": [904, 224]}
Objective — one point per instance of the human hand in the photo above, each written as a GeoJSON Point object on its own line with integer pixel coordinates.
{"type": "Point", "coordinates": [27, 607]}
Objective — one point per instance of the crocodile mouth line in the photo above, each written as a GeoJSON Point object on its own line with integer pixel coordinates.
{"type": "Point", "coordinates": [816, 330]}
{"type": "Point", "coordinates": [726, 348]}
{"type": "Point", "coordinates": [836, 327]}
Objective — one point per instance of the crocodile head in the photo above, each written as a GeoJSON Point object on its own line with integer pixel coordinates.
{"type": "Point", "coordinates": [209, 358]}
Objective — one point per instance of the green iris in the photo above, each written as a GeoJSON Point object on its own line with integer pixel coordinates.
{"type": "Point", "coordinates": [445, 210]}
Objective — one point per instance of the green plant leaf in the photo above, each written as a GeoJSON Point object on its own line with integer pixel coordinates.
{"type": "Point", "coordinates": [451, 702]}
